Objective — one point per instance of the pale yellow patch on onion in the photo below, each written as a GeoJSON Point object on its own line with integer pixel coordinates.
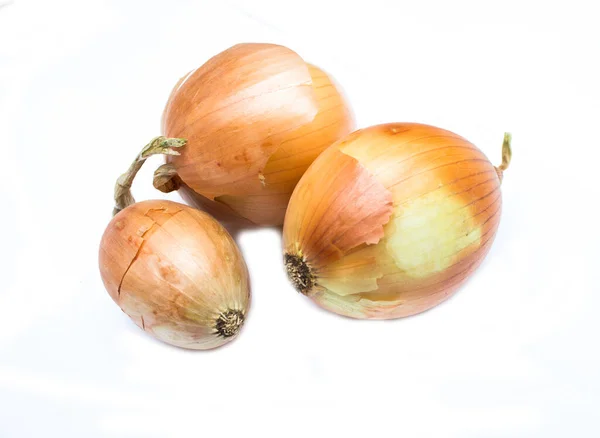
{"type": "Point", "coordinates": [430, 233]}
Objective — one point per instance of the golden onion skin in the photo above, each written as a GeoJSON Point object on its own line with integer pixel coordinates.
{"type": "Point", "coordinates": [255, 117]}
{"type": "Point", "coordinates": [176, 273]}
{"type": "Point", "coordinates": [391, 220]}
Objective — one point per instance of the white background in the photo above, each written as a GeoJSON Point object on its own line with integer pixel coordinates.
{"type": "Point", "coordinates": [514, 354]}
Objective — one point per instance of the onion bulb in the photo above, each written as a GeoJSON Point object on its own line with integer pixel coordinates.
{"type": "Point", "coordinates": [391, 220]}
{"type": "Point", "coordinates": [252, 118]}
{"type": "Point", "coordinates": [176, 273]}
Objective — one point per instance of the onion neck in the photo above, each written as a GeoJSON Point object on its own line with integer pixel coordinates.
{"type": "Point", "coordinates": [299, 273]}
{"type": "Point", "coordinates": [506, 156]}
{"type": "Point", "coordinates": [158, 146]}
{"type": "Point", "coordinates": [166, 179]}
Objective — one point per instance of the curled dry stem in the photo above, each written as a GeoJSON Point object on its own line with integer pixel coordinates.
{"type": "Point", "coordinates": [158, 146]}
{"type": "Point", "coordinates": [166, 178]}
{"type": "Point", "coordinates": [506, 155]}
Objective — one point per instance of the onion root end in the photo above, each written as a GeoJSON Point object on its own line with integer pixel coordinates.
{"type": "Point", "coordinates": [229, 323]}
{"type": "Point", "coordinates": [299, 273]}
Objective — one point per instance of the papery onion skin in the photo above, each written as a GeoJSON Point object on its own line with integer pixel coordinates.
{"type": "Point", "coordinates": [391, 220]}
{"type": "Point", "coordinates": [254, 116]}
{"type": "Point", "coordinates": [176, 273]}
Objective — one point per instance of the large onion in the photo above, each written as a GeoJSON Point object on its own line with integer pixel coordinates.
{"type": "Point", "coordinates": [176, 273]}
{"type": "Point", "coordinates": [254, 117]}
{"type": "Point", "coordinates": [389, 221]}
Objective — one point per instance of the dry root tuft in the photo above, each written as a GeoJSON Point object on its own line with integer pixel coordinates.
{"type": "Point", "coordinates": [299, 273]}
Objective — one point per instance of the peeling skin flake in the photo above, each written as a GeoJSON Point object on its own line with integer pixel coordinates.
{"type": "Point", "coordinates": [352, 211]}
{"type": "Point", "coordinates": [355, 273]}
{"type": "Point", "coordinates": [261, 178]}
{"type": "Point", "coordinates": [339, 229]}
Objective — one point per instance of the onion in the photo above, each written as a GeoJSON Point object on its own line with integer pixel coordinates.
{"type": "Point", "coordinates": [254, 117]}
{"type": "Point", "coordinates": [391, 220]}
{"type": "Point", "coordinates": [176, 273]}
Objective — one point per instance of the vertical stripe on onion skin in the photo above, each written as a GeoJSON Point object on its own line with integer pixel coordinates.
{"type": "Point", "coordinates": [234, 111]}
{"type": "Point", "coordinates": [255, 117]}
{"type": "Point", "coordinates": [266, 198]}
{"type": "Point", "coordinates": [176, 273]}
{"type": "Point", "coordinates": [444, 203]}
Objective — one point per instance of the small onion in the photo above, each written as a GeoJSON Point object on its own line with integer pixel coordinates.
{"type": "Point", "coordinates": [391, 220]}
{"type": "Point", "coordinates": [176, 273]}
{"type": "Point", "coordinates": [254, 118]}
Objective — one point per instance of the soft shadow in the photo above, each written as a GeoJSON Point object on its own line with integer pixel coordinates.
{"type": "Point", "coordinates": [227, 217]}
{"type": "Point", "coordinates": [163, 344]}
